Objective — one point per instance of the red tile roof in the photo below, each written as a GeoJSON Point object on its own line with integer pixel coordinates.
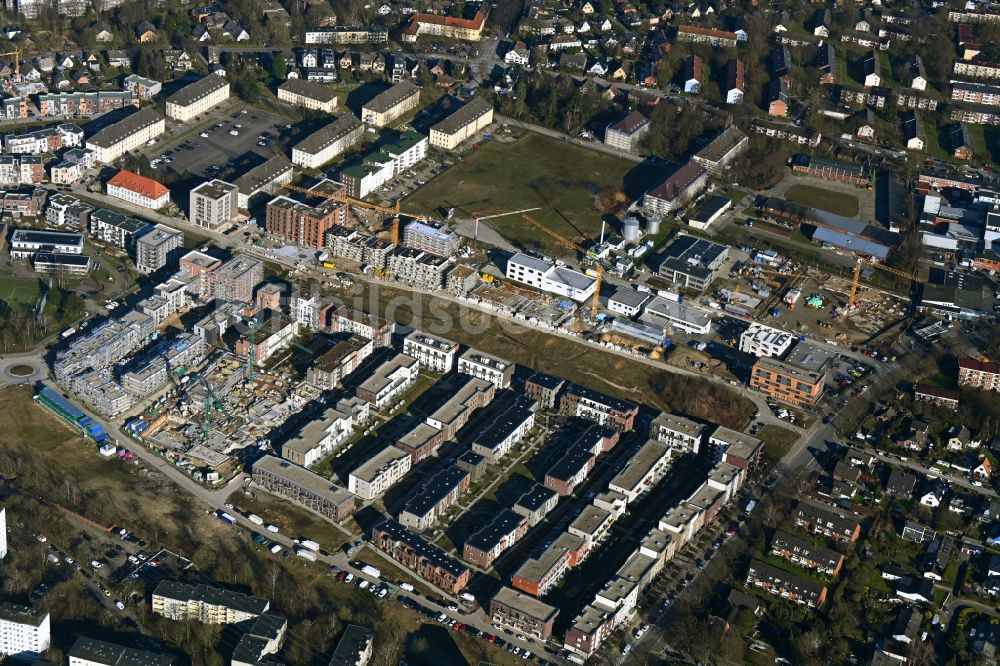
{"type": "Point", "coordinates": [981, 366]}
{"type": "Point", "coordinates": [141, 185]}
{"type": "Point", "coordinates": [631, 123]}
{"type": "Point", "coordinates": [475, 23]}
{"type": "Point", "coordinates": [736, 75]}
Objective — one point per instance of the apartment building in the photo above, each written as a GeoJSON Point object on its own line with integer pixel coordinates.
{"type": "Point", "coordinates": [26, 243]}
{"type": "Point", "coordinates": [205, 604]}
{"type": "Point", "coordinates": [143, 88]}
{"type": "Point", "coordinates": [448, 27]}
{"type": "Point", "coordinates": [346, 356]}
{"type": "Point", "coordinates": [351, 244]}
{"type": "Point", "coordinates": [536, 503]}
{"type": "Point", "coordinates": [827, 521]}
{"type": "Point", "coordinates": [472, 393]}
{"type": "Point", "coordinates": [303, 224]}
{"type": "Point", "coordinates": [213, 204]}
{"type": "Point", "coordinates": [762, 340]}
{"type": "Point", "coordinates": [126, 135]}
{"type": "Point", "coordinates": [681, 434]}
{"type": "Point", "coordinates": [116, 229]}
{"type": "Point", "coordinates": [977, 68]}
{"type": "Point", "coordinates": [389, 381]}
{"type": "Point", "coordinates": [540, 574]}
{"type": "Point", "coordinates": [434, 498]}
{"type": "Point", "coordinates": [85, 103]}
{"type": "Point", "coordinates": [3, 532]}
{"type": "Point", "coordinates": [596, 406]}
{"type": "Point", "coordinates": [196, 98]}
{"type": "Point", "coordinates": [978, 374]}
{"type": "Point", "coordinates": [421, 269]}
{"type": "Point", "coordinates": [431, 352]}
{"type": "Point", "coordinates": [550, 277]}
{"type": "Point", "coordinates": [735, 81]}
{"type": "Point", "coordinates": [589, 630]}
{"type": "Point", "coordinates": [493, 369]}
{"type": "Point", "coordinates": [354, 648]}
{"type": "Point", "coordinates": [523, 614]}
{"type": "Point", "coordinates": [644, 470]}
{"type": "Point", "coordinates": [327, 143]}
{"type": "Point", "coordinates": [570, 470]}
{"type": "Point", "coordinates": [307, 95]}
{"type": "Point", "coordinates": [427, 560]}
{"type": "Point", "coordinates": [496, 437]}
{"type": "Point", "coordinates": [462, 125]}
{"type": "Point", "coordinates": [138, 190]}
{"type": "Point", "coordinates": [699, 35]}
{"type": "Point", "coordinates": [422, 441]}
{"type": "Point", "coordinates": [303, 487]}
{"type": "Point", "coordinates": [432, 237]}
{"type": "Point", "coordinates": [786, 382]}
{"type": "Point", "coordinates": [975, 93]}
{"type": "Point", "coordinates": [92, 652]}
{"type": "Point", "coordinates": [23, 170]}
{"type": "Point", "coordinates": [321, 437]}
{"type": "Point", "coordinates": [236, 279]}
{"type": "Point", "coordinates": [264, 179]}
{"type": "Point", "coordinates": [681, 186]}
{"type": "Point", "coordinates": [156, 248]}
{"type": "Point", "coordinates": [483, 547]}
{"type": "Point", "coordinates": [626, 134]}
{"type": "Point", "coordinates": [273, 335]}
{"type": "Point", "coordinates": [391, 104]}
{"type": "Point", "coordinates": [805, 554]}
{"type": "Point", "coordinates": [734, 447]}
{"type": "Point", "coordinates": [347, 34]}
{"type": "Point", "coordinates": [63, 210]}
{"type": "Point", "coordinates": [348, 320]}
{"type": "Point", "coordinates": [187, 349]}
{"type": "Point", "coordinates": [25, 633]}
{"type": "Point", "coordinates": [379, 473]}
{"type": "Point", "coordinates": [785, 585]}
{"type": "Point", "coordinates": [544, 389]}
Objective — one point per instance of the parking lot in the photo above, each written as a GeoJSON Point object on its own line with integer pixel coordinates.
{"type": "Point", "coordinates": [231, 144]}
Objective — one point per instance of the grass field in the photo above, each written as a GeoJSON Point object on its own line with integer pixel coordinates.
{"type": "Point", "coordinates": [563, 179]}
{"type": "Point", "coordinates": [837, 203]}
{"type": "Point", "coordinates": [19, 290]}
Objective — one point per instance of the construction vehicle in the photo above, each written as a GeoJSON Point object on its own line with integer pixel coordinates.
{"type": "Point", "coordinates": [599, 270]}
{"type": "Point", "coordinates": [853, 301]}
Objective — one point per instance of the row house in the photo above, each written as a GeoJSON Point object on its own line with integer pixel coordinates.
{"type": "Point", "coordinates": [788, 132]}
{"type": "Point", "coordinates": [699, 35]}
{"type": "Point", "coordinates": [783, 584]}
{"type": "Point", "coordinates": [85, 103]}
{"type": "Point", "coordinates": [429, 562]}
{"type": "Point", "coordinates": [805, 554]}
{"type": "Point", "coordinates": [825, 520]}
{"type": "Point", "coordinates": [909, 98]}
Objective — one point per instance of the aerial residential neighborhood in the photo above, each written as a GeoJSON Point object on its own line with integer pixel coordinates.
{"type": "Point", "coordinates": [488, 332]}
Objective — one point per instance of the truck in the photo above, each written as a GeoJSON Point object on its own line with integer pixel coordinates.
{"type": "Point", "coordinates": [226, 518]}
{"type": "Point", "coordinates": [310, 544]}
{"type": "Point", "coordinates": [369, 570]}
{"type": "Point", "coordinates": [276, 548]}
{"type": "Point", "coordinates": [329, 265]}
{"type": "Point", "coordinates": [406, 586]}
{"type": "Point", "coordinates": [255, 519]}
{"type": "Point", "coordinates": [306, 554]}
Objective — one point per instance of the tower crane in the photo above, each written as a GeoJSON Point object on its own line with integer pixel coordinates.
{"type": "Point", "coordinates": [252, 326]}
{"type": "Point", "coordinates": [17, 61]}
{"type": "Point", "coordinates": [565, 242]}
{"type": "Point", "coordinates": [853, 299]}
{"type": "Point", "coordinates": [358, 203]}
{"type": "Point", "coordinates": [208, 405]}
{"type": "Point", "coordinates": [480, 216]}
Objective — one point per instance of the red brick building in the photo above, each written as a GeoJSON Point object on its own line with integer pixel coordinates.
{"type": "Point", "coordinates": [427, 560]}
{"type": "Point", "coordinates": [302, 224]}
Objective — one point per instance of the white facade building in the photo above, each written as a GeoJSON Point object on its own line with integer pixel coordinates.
{"type": "Point", "coordinates": [761, 340]}
{"type": "Point", "coordinates": [495, 370]}
{"type": "Point", "coordinates": [433, 353]}
{"type": "Point", "coordinates": [550, 278]}
{"type": "Point", "coordinates": [3, 532]}
{"type": "Point", "coordinates": [133, 132]}
{"type": "Point", "coordinates": [197, 98]}
{"type": "Point", "coordinates": [377, 475]}
{"type": "Point", "coordinates": [24, 632]}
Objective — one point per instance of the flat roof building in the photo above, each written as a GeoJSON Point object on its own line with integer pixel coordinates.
{"type": "Point", "coordinates": [484, 546]}
{"type": "Point", "coordinates": [204, 603]}
{"type": "Point", "coordinates": [643, 471]}
{"type": "Point", "coordinates": [379, 473]}
{"type": "Point", "coordinates": [306, 488]}
{"type": "Point", "coordinates": [691, 262]}
{"type": "Point", "coordinates": [92, 652]}
{"type": "Point", "coordinates": [786, 382]}
{"type": "Point", "coordinates": [523, 613]}
{"type": "Point", "coordinates": [428, 561]}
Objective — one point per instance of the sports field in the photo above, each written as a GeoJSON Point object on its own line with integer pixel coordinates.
{"type": "Point", "coordinates": [571, 184]}
{"type": "Point", "coordinates": [19, 290]}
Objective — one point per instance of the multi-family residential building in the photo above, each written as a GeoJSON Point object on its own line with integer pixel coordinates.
{"type": "Point", "coordinates": [483, 547]}
{"type": "Point", "coordinates": [627, 132]}
{"type": "Point", "coordinates": [493, 369]}
{"type": "Point", "coordinates": [45, 140]}
{"type": "Point", "coordinates": [342, 359]}
{"type": "Point", "coordinates": [327, 143]}
{"type": "Point", "coordinates": [692, 263]}
{"type": "Point", "coordinates": [354, 648]}
{"type": "Point", "coordinates": [235, 280]}
{"type": "Point", "coordinates": [264, 179]}
{"type": "Point", "coordinates": [3, 532]}
{"type": "Point", "coordinates": [442, 25]}
{"type": "Point", "coordinates": [787, 382]}
{"type": "Point", "coordinates": [827, 521]}
{"type": "Point", "coordinates": [125, 135]}
{"type": "Point", "coordinates": [421, 269]}
{"type": "Point", "coordinates": [379, 473]}
{"type": "Point", "coordinates": [544, 389]}
{"type": "Point", "coordinates": [979, 374]}
{"type": "Point", "coordinates": [205, 604]}
{"type": "Point", "coordinates": [25, 243]}
{"type": "Point", "coordinates": [196, 98]}
{"type": "Point", "coordinates": [308, 95]}
{"type": "Point", "coordinates": [697, 34]}
{"type": "Point", "coordinates": [24, 632]}
{"type": "Point", "coordinates": [63, 210]}
{"type": "Point", "coordinates": [435, 497]}
{"type": "Point", "coordinates": [536, 503]}
{"type": "Point", "coordinates": [391, 104]}
{"type": "Point", "coordinates": [428, 561]}
{"type": "Point", "coordinates": [85, 103]}
{"type": "Point", "coordinates": [595, 406]}
{"type": "Point", "coordinates": [540, 574]}
{"type": "Point", "coordinates": [156, 248]}
{"type": "Point", "coordinates": [550, 277]}
{"type": "Point", "coordinates": [142, 87]}
{"type": "Point", "coordinates": [644, 470]}
{"type": "Point", "coordinates": [347, 34]}
{"type": "Point", "coordinates": [497, 436]}
{"type": "Point", "coordinates": [306, 488]}
{"type": "Point", "coordinates": [681, 434]}
{"type": "Point", "coordinates": [321, 437]}
{"type": "Point", "coordinates": [735, 81]}
{"type": "Point", "coordinates": [389, 381]}
{"type": "Point", "coordinates": [303, 224]}
{"type": "Point", "coordinates": [431, 237]}
{"type": "Point", "coordinates": [348, 320]}
{"type": "Point", "coordinates": [431, 352]}
{"type": "Point", "coordinates": [462, 125]}
{"type": "Point", "coordinates": [678, 188]}
{"type": "Point", "coordinates": [138, 190]}
{"type": "Point", "coordinates": [762, 340]}
{"type": "Point", "coordinates": [522, 613]}
{"type": "Point", "coordinates": [92, 652]}
{"type": "Point", "coordinates": [734, 447]}
{"type": "Point", "coordinates": [471, 393]}
{"type": "Point", "coordinates": [805, 554]}
{"type": "Point", "coordinates": [213, 204]}
{"type": "Point", "coordinates": [783, 584]}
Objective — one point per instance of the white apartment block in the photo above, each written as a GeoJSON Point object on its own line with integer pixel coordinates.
{"type": "Point", "coordinates": [25, 243]}
{"type": "Point", "coordinates": [389, 381]}
{"type": "Point", "coordinates": [434, 353]}
{"type": "Point", "coordinates": [377, 475]}
{"type": "Point", "coordinates": [213, 204]}
{"type": "Point", "coordinates": [308, 95]}
{"type": "Point", "coordinates": [682, 435]}
{"type": "Point", "coordinates": [321, 437]}
{"type": "Point", "coordinates": [197, 98]}
{"type": "Point", "coordinates": [3, 532]}
{"type": "Point", "coordinates": [550, 278]}
{"type": "Point", "coordinates": [92, 652]}
{"type": "Point", "coordinates": [206, 604]}
{"type": "Point", "coordinates": [462, 125]}
{"type": "Point", "coordinates": [391, 104]}
{"type": "Point", "coordinates": [24, 632]}
{"type": "Point", "coordinates": [493, 369]}
{"type": "Point", "coordinates": [761, 340]}
{"type": "Point", "coordinates": [327, 143]}
{"type": "Point", "coordinates": [133, 132]}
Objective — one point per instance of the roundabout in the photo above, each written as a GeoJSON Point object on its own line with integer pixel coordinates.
{"type": "Point", "coordinates": [22, 370]}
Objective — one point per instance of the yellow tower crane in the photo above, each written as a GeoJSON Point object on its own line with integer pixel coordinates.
{"type": "Point", "coordinates": [853, 300]}
{"type": "Point", "coordinates": [577, 248]}
{"type": "Point", "coordinates": [17, 61]}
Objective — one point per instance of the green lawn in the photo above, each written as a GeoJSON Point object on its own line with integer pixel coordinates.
{"type": "Point", "coordinates": [19, 290]}
{"type": "Point", "coordinates": [816, 197]}
{"type": "Point", "coordinates": [562, 179]}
